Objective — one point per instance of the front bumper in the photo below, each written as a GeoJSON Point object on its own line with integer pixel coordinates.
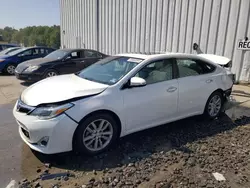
{"type": "Point", "coordinates": [59, 131]}
{"type": "Point", "coordinates": [28, 77]}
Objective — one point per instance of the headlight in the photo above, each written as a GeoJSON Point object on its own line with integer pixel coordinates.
{"type": "Point", "coordinates": [2, 60]}
{"type": "Point", "coordinates": [31, 68]}
{"type": "Point", "coordinates": [50, 111]}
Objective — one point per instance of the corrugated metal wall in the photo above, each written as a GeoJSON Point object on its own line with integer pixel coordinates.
{"type": "Point", "coordinates": [117, 26]}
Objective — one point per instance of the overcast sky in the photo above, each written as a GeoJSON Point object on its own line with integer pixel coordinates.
{"type": "Point", "coordinates": [22, 13]}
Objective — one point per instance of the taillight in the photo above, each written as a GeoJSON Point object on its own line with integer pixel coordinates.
{"type": "Point", "coordinates": [228, 65]}
{"type": "Point", "coordinates": [232, 76]}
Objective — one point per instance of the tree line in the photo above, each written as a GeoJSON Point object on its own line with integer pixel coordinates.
{"type": "Point", "coordinates": [32, 35]}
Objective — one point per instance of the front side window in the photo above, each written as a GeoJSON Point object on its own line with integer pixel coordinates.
{"type": "Point", "coordinates": [27, 53]}
{"type": "Point", "coordinates": [75, 55]}
{"type": "Point", "coordinates": [157, 71]}
{"type": "Point", "coordinates": [189, 67]}
{"type": "Point", "coordinates": [109, 70]}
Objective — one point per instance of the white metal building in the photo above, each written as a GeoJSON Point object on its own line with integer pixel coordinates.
{"type": "Point", "coordinates": [117, 26]}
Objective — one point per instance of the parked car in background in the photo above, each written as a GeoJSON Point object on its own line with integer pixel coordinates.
{"type": "Point", "coordinates": [9, 62]}
{"type": "Point", "coordinates": [119, 95]}
{"type": "Point", "coordinates": [8, 50]}
{"type": "Point", "coordinates": [4, 46]}
{"type": "Point", "coordinates": [63, 61]}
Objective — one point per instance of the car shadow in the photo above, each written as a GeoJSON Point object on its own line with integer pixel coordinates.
{"type": "Point", "coordinates": [143, 144]}
{"type": "Point", "coordinates": [27, 84]}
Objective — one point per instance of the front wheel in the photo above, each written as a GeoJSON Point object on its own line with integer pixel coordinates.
{"type": "Point", "coordinates": [214, 105]}
{"type": "Point", "coordinates": [96, 134]}
{"type": "Point", "coordinates": [10, 69]}
{"type": "Point", "coordinates": [50, 73]}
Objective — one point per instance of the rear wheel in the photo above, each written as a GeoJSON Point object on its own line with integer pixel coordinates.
{"type": "Point", "coordinates": [214, 105]}
{"type": "Point", "coordinates": [10, 69]}
{"type": "Point", "coordinates": [96, 134]}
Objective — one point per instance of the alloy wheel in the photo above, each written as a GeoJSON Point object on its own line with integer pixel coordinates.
{"type": "Point", "coordinates": [11, 69]}
{"type": "Point", "coordinates": [51, 74]}
{"type": "Point", "coordinates": [214, 105]}
{"type": "Point", "coordinates": [97, 135]}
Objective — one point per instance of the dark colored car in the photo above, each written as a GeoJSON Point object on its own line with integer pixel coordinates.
{"type": "Point", "coordinates": [63, 61]}
{"type": "Point", "coordinates": [9, 62]}
{"type": "Point", "coordinates": [5, 46]}
{"type": "Point", "coordinates": [8, 50]}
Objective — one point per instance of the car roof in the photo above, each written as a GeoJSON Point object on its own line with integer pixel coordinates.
{"type": "Point", "coordinates": [150, 55]}
{"type": "Point", "coordinates": [74, 49]}
{"type": "Point", "coordinates": [31, 47]}
{"type": "Point", "coordinates": [211, 58]}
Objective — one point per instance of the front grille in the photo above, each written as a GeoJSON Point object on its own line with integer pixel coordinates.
{"type": "Point", "coordinates": [23, 108]}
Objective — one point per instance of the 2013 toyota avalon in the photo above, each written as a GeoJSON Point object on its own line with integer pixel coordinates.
{"type": "Point", "coordinates": [117, 96]}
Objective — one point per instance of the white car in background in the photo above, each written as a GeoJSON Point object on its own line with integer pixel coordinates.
{"type": "Point", "coordinates": [119, 95]}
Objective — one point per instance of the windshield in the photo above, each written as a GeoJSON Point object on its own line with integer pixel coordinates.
{"type": "Point", "coordinates": [109, 70]}
{"type": "Point", "coordinates": [58, 54]}
{"type": "Point", "coordinates": [4, 51]}
{"type": "Point", "coordinates": [16, 51]}
{"type": "Point", "coordinates": [8, 50]}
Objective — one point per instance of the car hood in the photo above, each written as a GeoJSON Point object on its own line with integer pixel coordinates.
{"type": "Point", "coordinates": [60, 88]}
{"type": "Point", "coordinates": [37, 61]}
{"type": "Point", "coordinates": [4, 56]}
{"type": "Point", "coordinates": [22, 66]}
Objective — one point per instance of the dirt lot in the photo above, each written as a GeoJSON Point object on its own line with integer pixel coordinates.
{"type": "Point", "coordinates": [180, 154]}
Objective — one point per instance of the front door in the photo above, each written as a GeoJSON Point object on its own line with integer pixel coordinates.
{"type": "Point", "coordinates": [26, 55]}
{"type": "Point", "coordinates": [155, 103]}
{"type": "Point", "coordinates": [70, 64]}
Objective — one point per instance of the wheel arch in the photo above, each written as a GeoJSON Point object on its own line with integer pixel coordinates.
{"type": "Point", "coordinates": [9, 63]}
{"type": "Point", "coordinates": [50, 69]}
{"type": "Point", "coordinates": [113, 114]}
{"type": "Point", "coordinates": [217, 90]}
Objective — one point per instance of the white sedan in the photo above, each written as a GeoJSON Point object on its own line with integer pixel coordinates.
{"type": "Point", "coordinates": [119, 95]}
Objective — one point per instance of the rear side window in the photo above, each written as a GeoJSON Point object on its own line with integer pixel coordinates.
{"type": "Point", "coordinates": [44, 51]}
{"type": "Point", "coordinates": [91, 54]}
{"type": "Point", "coordinates": [189, 67]}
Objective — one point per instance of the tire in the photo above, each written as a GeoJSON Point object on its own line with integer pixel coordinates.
{"type": "Point", "coordinates": [10, 69]}
{"type": "Point", "coordinates": [50, 73]}
{"type": "Point", "coordinates": [213, 109]}
{"type": "Point", "coordinates": [84, 141]}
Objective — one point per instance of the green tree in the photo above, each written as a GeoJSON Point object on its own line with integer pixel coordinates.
{"type": "Point", "coordinates": [33, 35]}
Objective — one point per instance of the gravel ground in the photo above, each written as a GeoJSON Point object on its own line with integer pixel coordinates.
{"type": "Point", "coordinates": [180, 154]}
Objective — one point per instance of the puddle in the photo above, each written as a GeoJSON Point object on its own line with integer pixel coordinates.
{"type": "Point", "coordinates": [236, 109]}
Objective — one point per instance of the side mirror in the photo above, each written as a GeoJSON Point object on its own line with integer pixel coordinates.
{"type": "Point", "coordinates": [67, 58]}
{"type": "Point", "coordinates": [137, 82]}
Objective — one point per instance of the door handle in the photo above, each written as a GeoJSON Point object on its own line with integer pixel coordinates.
{"type": "Point", "coordinates": [171, 89]}
{"type": "Point", "coordinates": [81, 61]}
{"type": "Point", "coordinates": [209, 80]}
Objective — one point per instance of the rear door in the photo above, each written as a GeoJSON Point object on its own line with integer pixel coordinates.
{"type": "Point", "coordinates": [196, 83]}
